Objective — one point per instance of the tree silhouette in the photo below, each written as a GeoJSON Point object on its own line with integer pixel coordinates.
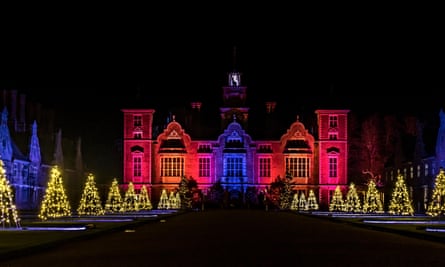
{"type": "Point", "coordinates": [144, 199]}
{"type": "Point", "coordinates": [352, 203]}
{"type": "Point", "coordinates": [436, 206]}
{"type": "Point", "coordinates": [372, 203]}
{"type": "Point", "coordinates": [90, 202]}
{"type": "Point", "coordinates": [286, 193]}
{"type": "Point", "coordinates": [216, 194]}
{"type": "Point", "coordinates": [184, 192]}
{"type": "Point", "coordinates": [400, 203]}
{"type": "Point", "coordinates": [55, 201]}
{"type": "Point", "coordinates": [114, 200]}
{"type": "Point", "coordinates": [337, 203]}
{"type": "Point", "coordinates": [9, 214]}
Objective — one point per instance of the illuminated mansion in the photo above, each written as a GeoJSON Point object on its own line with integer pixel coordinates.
{"type": "Point", "coordinates": [315, 160]}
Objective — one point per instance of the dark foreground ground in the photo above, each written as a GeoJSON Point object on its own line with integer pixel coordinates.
{"type": "Point", "coordinates": [240, 238]}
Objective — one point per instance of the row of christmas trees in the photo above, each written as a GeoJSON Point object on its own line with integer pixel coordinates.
{"type": "Point", "coordinates": [400, 203]}
{"type": "Point", "coordinates": [55, 202]}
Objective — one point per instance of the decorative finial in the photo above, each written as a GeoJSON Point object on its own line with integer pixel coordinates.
{"type": "Point", "coordinates": [234, 117]}
{"type": "Point", "coordinates": [298, 117]}
{"type": "Point", "coordinates": [173, 117]}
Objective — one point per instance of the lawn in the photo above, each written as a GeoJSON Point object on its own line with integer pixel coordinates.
{"type": "Point", "coordinates": [34, 234]}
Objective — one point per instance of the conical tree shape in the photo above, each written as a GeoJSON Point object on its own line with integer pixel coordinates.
{"type": "Point", "coordinates": [337, 203]}
{"type": "Point", "coordinates": [131, 202]}
{"type": "Point", "coordinates": [352, 203]}
{"type": "Point", "coordinates": [294, 204]}
{"type": "Point", "coordinates": [55, 201]}
{"type": "Point", "coordinates": [144, 199]}
{"type": "Point", "coordinates": [114, 200]}
{"type": "Point", "coordinates": [90, 202]}
{"type": "Point", "coordinates": [372, 203]}
{"type": "Point", "coordinates": [400, 203]}
{"type": "Point", "coordinates": [302, 202]}
{"type": "Point", "coordinates": [9, 214]}
{"type": "Point", "coordinates": [172, 200]}
{"type": "Point", "coordinates": [164, 203]}
{"type": "Point", "coordinates": [312, 201]}
{"type": "Point", "coordinates": [178, 200]}
{"type": "Point", "coordinates": [436, 206]}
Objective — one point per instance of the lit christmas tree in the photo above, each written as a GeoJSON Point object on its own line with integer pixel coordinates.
{"type": "Point", "coordinates": [337, 203]}
{"type": "Point", "coordinates": [172, 200]}
{"type": "Point", "coordinates": [144, 199]}
{"type": "Point", "coordinates": [302, 202]}
{"type": "Point", "coordinates": [163, 201]}
{"type": "Point", "coordinates": [400, 203]}
{"type": "Point", "coordinates": [436, 206]}
{"type": "Point", "coordinates": [286, 193]}
{"type": "Point", "coordinates": [131, 202]}
{"type": "Point", "coordinates": [178, 200]}
{"type": "Point", "coordinates": [90, 202]}
{"type": "Point", "coordinates": [372, 203]}
{"type": "Point", "coordinates": [352, 203]}
{"type": "Point", "coordinates": [9, 214]}
{"type": "Point", "coordinates": [114, 200]}
{"type": "Point", "coordinates": [294, 204]}
{"type": "Point", "coordinates": [55, 201]}
{"type": "Point", "coordinates": [312, 201]}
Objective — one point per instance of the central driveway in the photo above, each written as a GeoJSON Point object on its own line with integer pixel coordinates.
{"type": "Point", "coordinates": [241, 238]}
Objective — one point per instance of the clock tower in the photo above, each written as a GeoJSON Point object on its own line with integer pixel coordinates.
{"type": "Point", "coordinates": [234, 101]}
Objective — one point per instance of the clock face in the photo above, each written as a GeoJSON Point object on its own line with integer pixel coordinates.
{"type": "Point", "coordinates": [234, 79]}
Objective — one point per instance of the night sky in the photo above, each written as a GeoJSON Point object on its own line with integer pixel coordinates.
{"type": "Point", "coordinates": [91, 66]}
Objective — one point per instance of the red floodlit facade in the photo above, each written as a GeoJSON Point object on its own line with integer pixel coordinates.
{"type": "Point", "coordinates": [233, 158]}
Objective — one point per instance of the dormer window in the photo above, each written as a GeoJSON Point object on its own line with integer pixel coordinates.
{"type": "Point", "coordinates": [264, 149]}
{"type": "Point", "coordinates": [204, 148]}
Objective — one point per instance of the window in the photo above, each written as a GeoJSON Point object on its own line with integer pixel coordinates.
{"type": "Point", "coordinates": [333, 136]}
{"type": "Point", "coordinates": [265, 149]}
{"type": "Point", "coordinates": [234, 167]}
{"type": "Point", "coordinates": [418, 171]}
{"type": "Point", "coordinates": [204, 148]}
{"type": "Point", "coordinates": [204, 167]}
{"type": "Point", "coordinates": [333, 121]}
{"type": "Point", "coordinates": [137, 166]}
{"type": "Point", "coordinates": [137, 120]}
{"type": "Point", "coordinates": [264, 164]}
{"type": "Point", "coordinates": [172, 166]}
{"type": "Point", "coordinates": [298, 167]}
{"type": "Point", "coordinates": [137, 135]}
{"type": "Point", "coordinates": [333, 165]}
{"type": "Point", "coordinates": [426, 169]}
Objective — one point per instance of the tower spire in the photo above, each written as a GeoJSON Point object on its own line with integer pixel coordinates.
{"type": "Point", "coordinates": [234, 58]}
